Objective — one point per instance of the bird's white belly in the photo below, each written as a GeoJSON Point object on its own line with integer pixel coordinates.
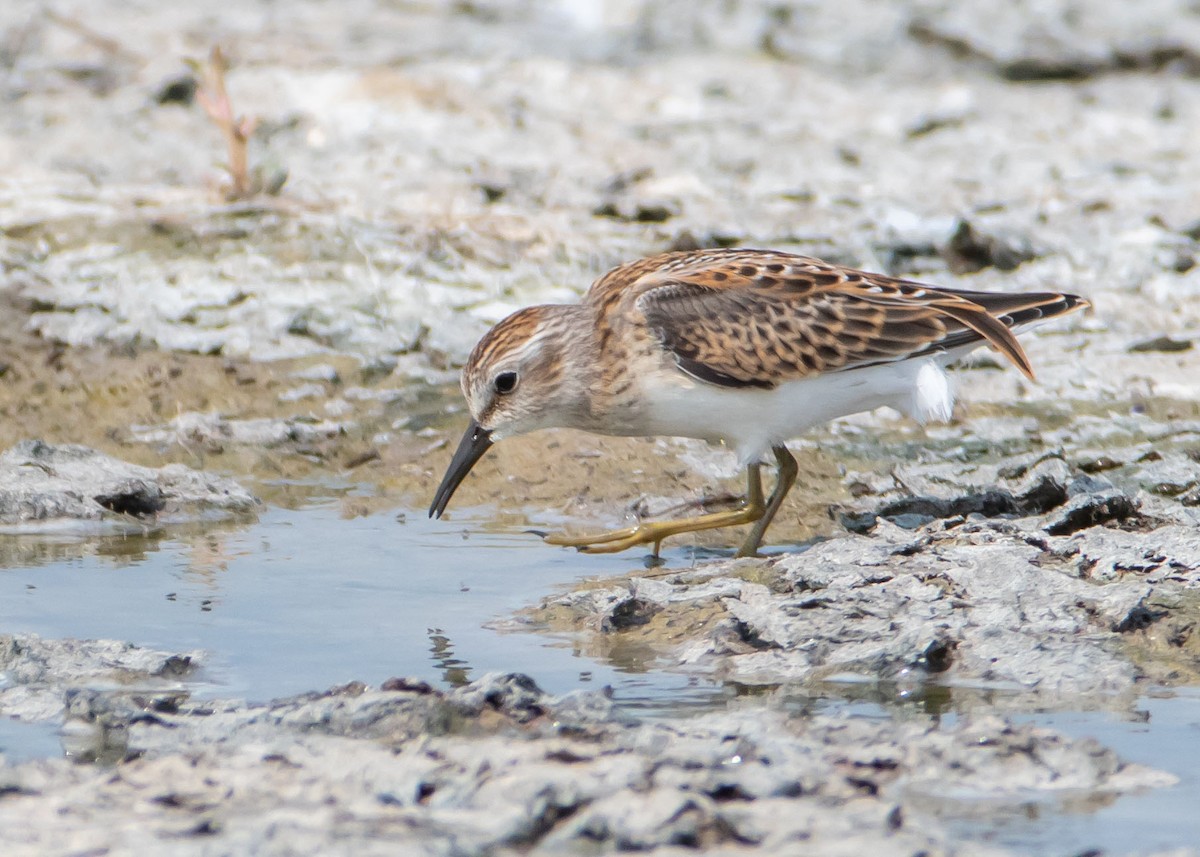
{"type": "Point", "coordinates": [753, 420]}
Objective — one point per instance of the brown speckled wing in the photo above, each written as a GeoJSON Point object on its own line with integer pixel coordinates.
{"type": "Point", "coordinates": [747, 318]}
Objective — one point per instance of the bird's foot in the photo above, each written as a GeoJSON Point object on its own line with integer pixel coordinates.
{"type": "Point", "coordinates": [610, 542]}
{"type": "Point", "coordinates": [653, 532]}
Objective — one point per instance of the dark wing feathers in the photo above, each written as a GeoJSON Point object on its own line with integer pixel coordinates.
{"type": "Point", "coordinates": [748, 318]}
{"type": "Point", "coordinates": [1035, 307]}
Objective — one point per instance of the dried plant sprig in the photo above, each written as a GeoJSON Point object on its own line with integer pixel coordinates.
{"type": "Point", "coordinates": [214, 98]}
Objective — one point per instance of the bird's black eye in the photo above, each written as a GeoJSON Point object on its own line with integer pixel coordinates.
{"type": "Point", "coordinates": [505, 382]}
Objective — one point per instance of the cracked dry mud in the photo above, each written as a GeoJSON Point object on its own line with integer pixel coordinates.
{"type": "Point", "coordinates": [1028, 574]}
{"type": "Point", "coordinates": [499, 767]}
{"type": "Point", "coordinates": [450, 162]}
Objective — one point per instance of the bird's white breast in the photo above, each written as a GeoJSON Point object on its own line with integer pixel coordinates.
{"type": "Point", "coordinates": [753, 420]}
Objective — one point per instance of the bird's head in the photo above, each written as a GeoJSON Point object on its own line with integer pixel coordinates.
{"type": "Point", "coordinates": [515, 381]}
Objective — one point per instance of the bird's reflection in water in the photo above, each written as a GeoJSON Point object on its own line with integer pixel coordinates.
{"type": "Point", "coordinates": [455, 672]}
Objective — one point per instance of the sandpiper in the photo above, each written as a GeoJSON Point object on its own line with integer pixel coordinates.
{"type": "Point", "coordinates": [748, 347]}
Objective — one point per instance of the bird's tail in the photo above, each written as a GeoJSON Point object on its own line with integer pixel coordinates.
{"type": "Point", "coordinates": [1001, 315]}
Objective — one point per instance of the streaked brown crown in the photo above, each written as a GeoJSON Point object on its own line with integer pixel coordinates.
{"type": "Point", "coordinates": [506, 337]}
{"type": "Point", "coordinates": [539, 346]}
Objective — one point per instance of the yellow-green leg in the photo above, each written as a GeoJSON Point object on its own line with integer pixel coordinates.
{"type": "Point", "coordinates": [784, 480]}
{"type": "Point", "coordinates": [653, 532]}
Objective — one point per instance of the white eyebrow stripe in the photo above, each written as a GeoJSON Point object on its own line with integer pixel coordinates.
{"type": "Point", "coordinates": [532, 345]}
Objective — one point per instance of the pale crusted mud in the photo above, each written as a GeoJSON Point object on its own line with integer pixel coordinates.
{"type": "Point", "coordinates": [1029, 574]}
{"type": "Point", "coordinates": [497, 766]}
{"type": "Point", "coordinates": [47, 486]}
{"type": "Point", "coordinates": [447, 163]}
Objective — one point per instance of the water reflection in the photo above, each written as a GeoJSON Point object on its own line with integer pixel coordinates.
{"type": "Point", "coordinates": [205, 539]}
{"type": "Point", "coordinates": [925, 698]}
{"type": "Point", "coordinates": [455, 672]}
{"type": "Point", "coordinates": [310, 599]}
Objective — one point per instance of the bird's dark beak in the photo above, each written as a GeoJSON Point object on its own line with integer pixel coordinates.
{"type": "Point", "coordinates": [475, 442]}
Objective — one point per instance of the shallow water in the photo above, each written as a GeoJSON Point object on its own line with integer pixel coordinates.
{"type": "Point", "coordinates": [20, 742]}
{"type": "Point", "coordinates": [307, 599]}
{"type": "Point", "coordinates": [1165, 734]}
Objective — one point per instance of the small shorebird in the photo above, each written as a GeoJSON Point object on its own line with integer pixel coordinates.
{"type": "Point", "coordinates": [749, 347]}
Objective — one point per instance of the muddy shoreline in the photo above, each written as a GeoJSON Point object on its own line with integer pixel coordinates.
{"type": "Point", "coordinates": [499, 765]}
{"type": "Point", "coordinates": [936, 595]}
